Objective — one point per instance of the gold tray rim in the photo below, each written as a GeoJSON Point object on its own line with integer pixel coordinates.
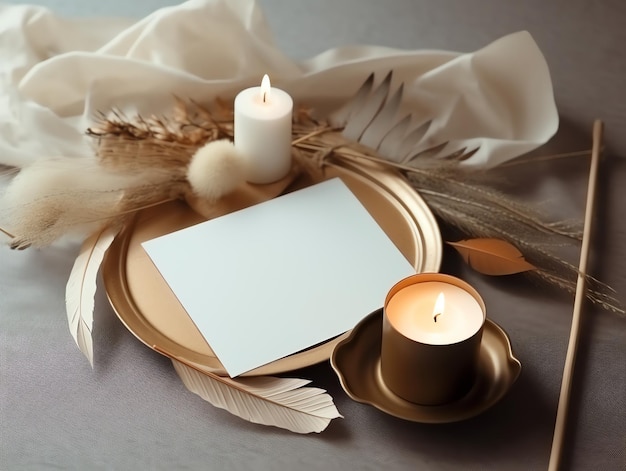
{"type": "Point", "coordinates": [122, 303]}
{"type": "Point", "coordinates": [473, 404]}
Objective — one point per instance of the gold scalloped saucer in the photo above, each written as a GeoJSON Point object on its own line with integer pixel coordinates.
{"type": "Point", "coordinates": [356, 360]}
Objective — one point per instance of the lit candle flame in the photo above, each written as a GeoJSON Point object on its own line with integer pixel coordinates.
{"type": "Point", "coordinates": [440, 305]}
{"type": "Point", "coordinates": [265, 87]}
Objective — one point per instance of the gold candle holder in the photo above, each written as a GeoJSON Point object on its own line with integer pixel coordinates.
{"type": "Point", "coordinates": [432, 329]}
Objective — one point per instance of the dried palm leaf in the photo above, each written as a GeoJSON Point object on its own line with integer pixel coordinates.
{"type": "Point", "coordinates": [454, 192]}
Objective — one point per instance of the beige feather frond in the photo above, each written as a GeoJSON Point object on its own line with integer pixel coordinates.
{"type": "Point", "coordinates": [267, 400]}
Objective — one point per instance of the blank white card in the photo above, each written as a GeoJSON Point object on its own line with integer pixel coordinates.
{"type": "Point", "coordinates": [270, 280]}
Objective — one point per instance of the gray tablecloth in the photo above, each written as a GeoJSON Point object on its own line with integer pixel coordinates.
{"type": "Point", "coordinates": [132, 411]}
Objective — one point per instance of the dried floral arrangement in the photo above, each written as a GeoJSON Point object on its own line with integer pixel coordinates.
{"type": "Point", "coordinates": [512, 237]}
{"type": "Point", "coordinates": [145, 161]}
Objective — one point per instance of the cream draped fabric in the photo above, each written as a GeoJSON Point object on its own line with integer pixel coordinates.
{"type": "Point", "coordinates": [57, 73]}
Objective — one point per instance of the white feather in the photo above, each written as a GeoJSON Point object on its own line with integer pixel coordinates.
{"type": "Point", "coordinates": [267, 400]}
{"type": "Point", "coordinates": [81, 288]}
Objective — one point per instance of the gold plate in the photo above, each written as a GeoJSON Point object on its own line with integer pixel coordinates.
{"type": "Point", "coordinates": [356, 360]}
{"type": "Point", "coordinates": [148, 308]}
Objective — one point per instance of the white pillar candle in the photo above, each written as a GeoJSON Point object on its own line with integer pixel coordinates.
{"type": "Point", "coordinates": [263, 132]}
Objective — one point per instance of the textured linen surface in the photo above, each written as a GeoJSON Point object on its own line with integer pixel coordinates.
{"type": "Point", "coordinates": [132, 412]}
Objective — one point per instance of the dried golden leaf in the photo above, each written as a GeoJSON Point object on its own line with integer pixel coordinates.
{"type": "Point", "coordinates": [492, 256]}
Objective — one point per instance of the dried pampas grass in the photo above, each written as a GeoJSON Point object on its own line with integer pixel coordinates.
{"type": "Point", "coordinates": [47, 199]}
{"type": "Point", "coordinates": [56, 196]}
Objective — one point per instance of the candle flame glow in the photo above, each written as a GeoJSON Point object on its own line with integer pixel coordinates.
{"type": "Point", "coordinates": [440, 305]}
{"type": "Point", "coordinates": [266, 86]}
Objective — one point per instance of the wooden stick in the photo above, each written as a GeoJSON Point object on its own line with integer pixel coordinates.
{"type": "Point", "coordinates": [8, 234]}
{"type": "Point", "coordinates": [570, 358]}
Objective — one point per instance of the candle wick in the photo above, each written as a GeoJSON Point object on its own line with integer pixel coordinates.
{"type": "Point", "coordinates": [436, 315]}
{"type": "Point", "coordinates": [264, 96]}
